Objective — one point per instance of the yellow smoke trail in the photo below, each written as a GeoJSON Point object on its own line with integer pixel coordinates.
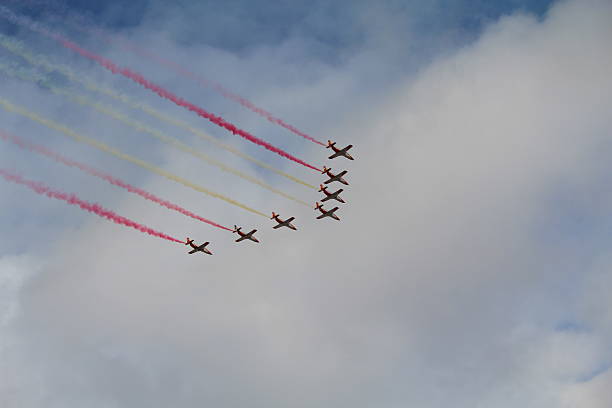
{"type": "Point", "coordinates": [172, 141]}
{"type": "Point", "coordinates": [85, 101]}
{"type": "Point", "coordinates": [17, 48]}
{"type": "Point", "coordinates": [103, 147]}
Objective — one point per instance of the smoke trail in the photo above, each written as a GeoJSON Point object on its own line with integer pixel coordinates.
{"type": "Point", "coordinates": [139, 79]}
{"type": "Point", "coordinates": [175, 143]}
{"type": "Point", "coordinates": [202, 81]}
{"type": "Point", "coordinates": [17, 48]}
{"type": "Point", "coordinates": [72, 199]}
{"type": "Point", "coordinates": [81, 23]}
{"type": "Point", "coordinates": [101, 146]}
{"type": "Point", "coordinates": [85, 101]}
{"type": "Point", "coordinates": [104, 176]}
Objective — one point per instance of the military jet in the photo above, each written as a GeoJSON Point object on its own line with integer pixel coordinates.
{"type": "Point", "coordinates": [334, 177]}
{"type": "Point", "coordinates": [281, 223]}
{"type": "Point", "coordinates": [339, 152]}
{"type": "Point", "coordinates": [331, 196]}
{"type": "Point", "coordinates": [196, 248]}
{"type": "Point", "coordinates": [244, 236]}
{"type": "Point", "coordinates": [324, 213]}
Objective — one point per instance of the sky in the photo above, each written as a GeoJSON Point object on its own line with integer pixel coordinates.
{"type": "Point", "coordinates": [472, 263]}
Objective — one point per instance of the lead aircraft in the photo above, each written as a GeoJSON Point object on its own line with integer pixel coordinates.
{"type": "Point", "coordinates": [198, 248]}
{"type": "Point", "coordinates": [281, 223]}
{"type": "Point", "coordinates": [244, 236]}
{"type": "Point", "coordinates": [339, 152]}
{"type": "Point", "coordinates": [328, 213]}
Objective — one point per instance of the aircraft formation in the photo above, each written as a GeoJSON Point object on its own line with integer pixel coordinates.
{"type": "Point", "coordinates": [20, 63]}
{"type": "Point", "coordinates": [318, 206]}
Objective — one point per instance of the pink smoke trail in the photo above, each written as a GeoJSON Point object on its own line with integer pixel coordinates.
{"type": "Point", "coordinates": [83, 24]}
{"type": "Point", "coordinates": [214, 85]}
{"type": "Point", "coordinates": [138, 78]}
{"type": "Point", "coordinates": [72, 199]}
{"type": "Point", "coordinates": [107, 177]}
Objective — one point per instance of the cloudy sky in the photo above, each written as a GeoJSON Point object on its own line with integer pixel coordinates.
{"type": "Point", "coordinates": [473, 263]}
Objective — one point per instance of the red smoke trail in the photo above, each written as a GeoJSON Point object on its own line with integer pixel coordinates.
{"type": "Point", "coordinates": [214, 85]}
{"type": "Point", "coordinates": [72, 199]}
{"type": "Point", "coordinates": [136, 77]}
{"type": "Point", "coordinates": [85, 25]}
{"type": "Point", "coordinates": [97, 173]}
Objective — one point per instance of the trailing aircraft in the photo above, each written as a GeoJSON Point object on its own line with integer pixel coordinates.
{"type": "Point", "coordinates": [281, 223]}
{"type": "Point", "coordinates": [339, 152]}
{"type": "Point", "coordinates": [244, 236]}
{"type": "Point", "coordinates": [331, 196]}
{"type": "Point", "coordinates": [334, 177]}
{"type": "Point", "coordinates": [328, 213]}
{"type": "Point", "coordinates": [198, 248]}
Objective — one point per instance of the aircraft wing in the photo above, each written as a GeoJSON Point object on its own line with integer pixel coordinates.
{"type": "Point", "coordinates": [290, 219]}
{"type": "Point", "coordinates": [241, 239]}
{"type": "Point", "coordinates": [193, 251]}
{"type": "Point", "coordinates": [331, 213]}
{"type": "Point", "coordinates": [277, 226]}
{"type": "Point", "coordinates": [321, 216]}
{"type": "Point", "coordinates": [342, 173]}
{"type": "Point", "coordinates": [333, 156]}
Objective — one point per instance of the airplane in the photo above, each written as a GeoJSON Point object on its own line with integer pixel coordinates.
{"type": "Point", "coordinates": [331, 196]}
{"type": "Point", "coordinates": [334, 177]}
{"type": "Point", "coordinates": [324, 213]}
{"type": "Point", "coordinates": [339, 152]}
{"type": "Point", "coordinates": [281, 223]}
{"type": "Point", "coordinates": [196, 248]}
{"type": "Point", "coordinates": [244, 236]}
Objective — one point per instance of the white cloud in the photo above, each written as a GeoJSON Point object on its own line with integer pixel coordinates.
{"type": "Point", "coordinates": [594, 393]}
{"type": "Point", "coordinates": [441, 286]}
